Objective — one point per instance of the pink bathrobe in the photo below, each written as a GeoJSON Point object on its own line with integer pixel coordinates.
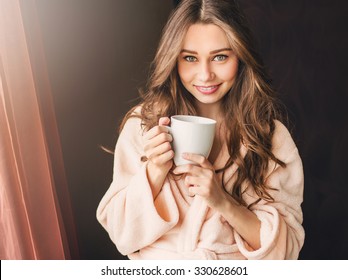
{"type": "Point", "coordinates": [177, 226]}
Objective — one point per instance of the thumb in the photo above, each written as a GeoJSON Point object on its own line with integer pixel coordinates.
{"type": "Point", "coordinates": [164, 121]}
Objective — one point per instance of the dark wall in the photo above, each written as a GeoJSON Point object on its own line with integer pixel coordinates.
{"type": "Point", "coordinates": [304, 45]}
{"type": "Point", "coordinates": [97, 55]}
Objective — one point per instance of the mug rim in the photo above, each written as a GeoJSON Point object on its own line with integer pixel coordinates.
{"type": "Point", "coordinates": [199, 118]}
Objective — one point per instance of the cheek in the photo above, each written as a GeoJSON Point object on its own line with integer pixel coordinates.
{"type": "Point", "coordinates": [229, 73]}
{"type": "Point", "coordinates": [184, 73]}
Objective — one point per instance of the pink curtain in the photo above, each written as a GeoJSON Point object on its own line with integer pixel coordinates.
{"type": "Point", "coordinates": [32, 180]}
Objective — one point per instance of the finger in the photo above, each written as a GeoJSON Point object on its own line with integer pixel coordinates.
{"type": "Point", "coordinates": [188, 168]}
{"type": "Point", "coordinates": [199, 159]}
{"type": "Point", "coordinates": [194, 190]}
{"type": "Point", "coordinates": [194, 181]}
{"type": "Point", "coordinates": [158, 140]}
{"type": "Point", "coordinates": [160, 149]}
{"type": "Point", "coordinates": [164, 121]}
{"type": "Point", "coordinates": [197, 186]}
{"type": "Point", "coordinates": [153, 132]}
{"type": "Point", "coordinates": [163, 158]}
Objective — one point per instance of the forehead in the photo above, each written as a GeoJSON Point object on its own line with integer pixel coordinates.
{"type": "Point", "coordinates": [205, 37]}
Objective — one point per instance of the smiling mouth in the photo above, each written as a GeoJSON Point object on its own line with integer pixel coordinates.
{"type": "Point", "coordinates": [207, 90]}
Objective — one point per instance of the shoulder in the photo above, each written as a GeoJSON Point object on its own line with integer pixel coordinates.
{"type": "Point", "coordinates": [132, 128]}
{"type": "Point", "coordinates": [132, 119]}
{"type": "Point", "coordinates": [280, 130]}
{"type": "Point", "coordinates": [130, 137]}
{"type": "Point", "coordinates": [282, 142]}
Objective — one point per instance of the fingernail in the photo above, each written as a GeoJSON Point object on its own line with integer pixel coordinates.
{"type": "Point", "coordinates": [185, 155]}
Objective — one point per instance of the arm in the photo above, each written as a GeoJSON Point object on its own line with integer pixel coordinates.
{"type": "Point", "coordinates": [281, 232]}
{"type": "Point", "coordinates": [267, 230]}
{"type": "Point", "coordinates": [159, 153]}
{"type": "Point", "coordinates": [128, 211]}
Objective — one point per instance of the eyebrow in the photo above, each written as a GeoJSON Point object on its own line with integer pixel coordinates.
{"type": "Point", "coordinates": [212, 52]}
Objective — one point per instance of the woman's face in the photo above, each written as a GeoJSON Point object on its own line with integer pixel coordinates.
{"type": "Point", "coordinates": [207, 65]}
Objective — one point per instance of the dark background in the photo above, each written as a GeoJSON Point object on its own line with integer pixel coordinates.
{"type": "Point", "coordinates": [97, 54]}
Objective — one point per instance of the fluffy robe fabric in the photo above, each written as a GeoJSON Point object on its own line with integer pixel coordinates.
{"type": "Point", "coordinates": [177, 226]}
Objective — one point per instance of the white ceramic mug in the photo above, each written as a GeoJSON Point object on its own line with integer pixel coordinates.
{"type": "Point", "coordinates": [191, 134]}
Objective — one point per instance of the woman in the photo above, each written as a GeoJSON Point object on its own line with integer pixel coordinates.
{"type": "Point", "coordinates": [244, 200]}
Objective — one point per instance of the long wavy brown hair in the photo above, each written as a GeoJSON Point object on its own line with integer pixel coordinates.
{"type": "Point", "coordinates": [250, 107]}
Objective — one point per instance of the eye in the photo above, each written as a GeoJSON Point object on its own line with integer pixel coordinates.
{"type": "Point", "coordinates": [190, 58]}
{"type": "Point", "coordinates": [220, 57]}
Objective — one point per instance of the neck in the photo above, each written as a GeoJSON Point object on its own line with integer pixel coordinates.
{"type": "Point", "coordinates": [212, 111]}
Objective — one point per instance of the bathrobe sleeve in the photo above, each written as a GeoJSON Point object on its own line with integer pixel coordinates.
{"type": "Point", "coordinates": [128, 211]}
{"type": "Point", "coordinates": [282, 234]}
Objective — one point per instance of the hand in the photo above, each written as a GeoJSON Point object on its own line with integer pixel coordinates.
{"type": "Point", "coordinates": [157, 147]}
{"type": "Point", "coordinates": [202, 180]}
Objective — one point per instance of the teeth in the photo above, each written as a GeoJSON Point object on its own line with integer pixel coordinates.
{"type": "Point", "coordinates": [207, 88]}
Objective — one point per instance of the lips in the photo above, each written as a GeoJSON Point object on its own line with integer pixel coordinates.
{"type": "Point", "coordinates": [207, 89]}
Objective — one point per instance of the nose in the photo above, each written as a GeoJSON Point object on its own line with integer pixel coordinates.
{"type": "Point", "coordinates": [206, 72]}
